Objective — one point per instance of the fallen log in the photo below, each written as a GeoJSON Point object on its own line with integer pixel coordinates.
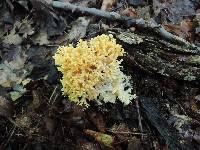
{"type": "Point", "coordinates": [161, 120]}
{"type": "Point", "coordinates": [156, 55]}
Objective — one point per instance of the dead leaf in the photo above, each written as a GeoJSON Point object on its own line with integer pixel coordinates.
{"type": "Point", "coordinates": [12, 71]}
{"type": "Point", "coordinates": [19, 90]}
{"type": "Point", "coordinates": [13, 37]}
{"type": "Point", "coordinates": [184, 30]}
{"type": "Point", "coordinates": [48, 20]}
{"type": "Point", "coordinates": [41, 38]}
{"type": "Point", "coordinates": [6, 108]}
{"type": "Point", "coordinates": [107, 5]}
{"type": "Point", "coordinates": [129, 12]}
{"type": "Point", "coordinates": [136, 2]}
{"type": "Point", "coordinates": [26, 28]}
{"type": "Point", "coordinates": [7, 77]}
{"type": "Point", "coordinates": [79, 28]}
{"type": "Point", "coordinates": [98, 120]}
{"type": "Point", "coordinates": [18, 62]}
{"type": "Point", "coordinates": [15, 95]}
{"type": "Point", "coordinates": [173, 10]}
{"type": "Point", "coordinates": [144, 12]}
{"type": "Point", "coordinates": [19, 31]}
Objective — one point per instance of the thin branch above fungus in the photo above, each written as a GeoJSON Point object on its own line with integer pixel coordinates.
{"type": "Point", "coordinates": [151, 25]}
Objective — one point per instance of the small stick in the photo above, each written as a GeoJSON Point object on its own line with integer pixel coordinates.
{"type": "Point", "coordinates": [10, 136]}
{"type": "Point", "coordinates": [151, 25]}
{"type": "Point", "coordinates": [51, 100]}
{"type": "Point", "coordinates": [139, 116]}
{"type": "Point", "coordinates": [132, 133]}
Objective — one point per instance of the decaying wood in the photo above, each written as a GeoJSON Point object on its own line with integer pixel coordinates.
{"type": "Point", "coordinates": [159, 119]}
{"type": "Point", "coordinates": [159, 56]}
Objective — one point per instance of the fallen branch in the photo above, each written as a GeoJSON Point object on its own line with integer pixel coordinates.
{"type": "Point", "coordinates": [129, 21]}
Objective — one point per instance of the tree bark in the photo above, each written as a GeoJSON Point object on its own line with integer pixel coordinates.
{"type": "Point", "coordinates": [169, 59]}
{"type": "Point", "coordinates": [159, 120]}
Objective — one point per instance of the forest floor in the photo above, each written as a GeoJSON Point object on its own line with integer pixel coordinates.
{"type": "Point", "coordinates": [35, 115]}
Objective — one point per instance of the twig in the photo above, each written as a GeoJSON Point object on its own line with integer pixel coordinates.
{"type": "Point", "coordinates": [139, 117]}
{"type": "Point", "coordinates": [92, 11]}
{"type": "Point", "coordinates": [51, 100]}
{"type": "Point", "coordinates": [132, 133]}
{"type": "Point", "coordinates": [151, 25]}
{"type": "Point", "coordinates": [10, 136]}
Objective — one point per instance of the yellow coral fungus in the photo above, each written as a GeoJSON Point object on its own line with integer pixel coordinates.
{"type": "Point", "coordinates": [91, 71]}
